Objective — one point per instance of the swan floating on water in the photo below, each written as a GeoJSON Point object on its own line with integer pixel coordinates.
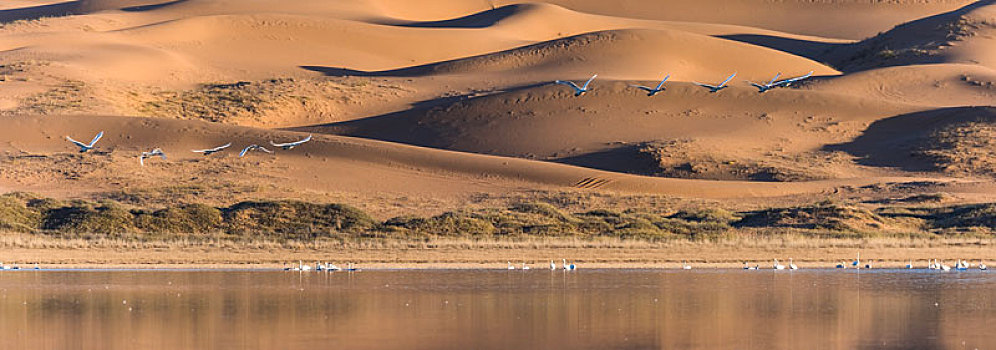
{"type": "Point", "coordinates": [982, 266]}
{"type": "Point", "coordinates": [716, 88]}
{"type": "Point", "coordinates": [578, 91]}
{"type": "Point", "coordinates": [841, 265]}
{"type": "Point", "coordinates": [86, 147]}
{"type": "Point", "coordinates": [685, 265]}
{"type": "Point", "coordinates": [210, 151]}
{"type": "Point", "coordinates": [778, 266]}
{"type": "Point", "coordinates": [792, 265]}
{"type": "Point", "coordinates": [910, 264]}
{"type": "Point", "coordinates": [653, 91]}
{"type": "Point", "coordinates": [553, 266]}
{"type": "Point", "coordinates": [524, 266]}
{"type": "Point", "coordinates": [748, 267]}
{"type": "Point", "coordinates": [510, 267]}
{"type": "Point", "coordinates": [291, 145]}
{"type": "Point", "coordinates": [568, 267]}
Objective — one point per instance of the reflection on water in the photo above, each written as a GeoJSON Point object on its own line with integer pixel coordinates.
{"type": "Point", "coordinates": [539, 309]}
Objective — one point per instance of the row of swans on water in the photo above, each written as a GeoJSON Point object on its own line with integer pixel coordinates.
{"type": "Point", "coordinates": [553, 266]}
{"type": "Point", "coordinates": [158, 152]}
{"type": "Point", "coordinates": [319, 266]}
{"type": "Point", "coordinates": [651, 91]}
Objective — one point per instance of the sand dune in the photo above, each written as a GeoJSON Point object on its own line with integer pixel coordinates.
{"type": "Point", "coordinates": [471, 80]}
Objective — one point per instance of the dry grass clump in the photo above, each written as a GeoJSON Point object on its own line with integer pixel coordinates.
{"type": "Point", "coordinates": [301, 221]}
{"type": "Point", "coordinates": [966, 149]}
{"type": "Point", "coordinates": [826, 216]}
{"type": "Point", "coordinates": [683, 159]}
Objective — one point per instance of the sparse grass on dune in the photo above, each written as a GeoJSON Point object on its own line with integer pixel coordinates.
{"type": "Point", "coordinates": [296, 221]}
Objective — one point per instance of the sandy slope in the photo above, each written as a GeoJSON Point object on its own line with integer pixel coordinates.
{"type": "Point", "coordinates": [466, 76]}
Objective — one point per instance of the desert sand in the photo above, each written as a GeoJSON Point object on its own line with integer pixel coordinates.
{"type": "Point", "coordinates": [431, 106]}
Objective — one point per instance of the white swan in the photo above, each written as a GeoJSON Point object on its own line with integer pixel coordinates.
{"type": "Point", "coordinates": [940, 265]}
{"type": "Point", "coordinates": [291, 145]}
{"type": "Point", "coordinates": [762, 88]}
{"type": "Point", "coordinates": [841, 265]}
{"type": "Point", "coordinates": [716, 88]}
{"type": "Point", "coordinates": [86, 147]}
{"type": "Point", "coordinates": [868, 264]}
{"type": "Point", "coordinates": [653, 91]}
{"type": "Point", "coordinates": [910, 264]}
{"type": "Point", "coordinates": [150, 154]}
{"type": "Point", "coordinates": [748, 267]}
{"type": "Point", "coordinates": [568, 267]}
{"type": "Point", "coordinates": [857, 263]}
{"type": "Point", "coordinates": [778, 266]}
{"type": "Point", "coordinates": [982, 266]}
{"type": "Point", "coordinates": [210, 151]}
{"type": "Point", "coordinates": [792, 265]}
{"type": "Point", "coordinates": [524, 266]}
{"type": "Point", "coordinates": [510, 267]}
{"type": "Point", "coordinates": [578, 91]}
{"type": "Point", "coordinates": [553, 266]}
{"type": "Point", "coordinates": [253, 148]}
{"type": "Point", "coordinates": [685, 265]}
{"type": "Point", "coordinates": [790, 81]}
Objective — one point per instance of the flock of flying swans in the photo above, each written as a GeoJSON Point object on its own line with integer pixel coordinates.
{"type": "Point", "coordinates": [158, 152]}
{"type": "Point", "coordinates": [761, 88]}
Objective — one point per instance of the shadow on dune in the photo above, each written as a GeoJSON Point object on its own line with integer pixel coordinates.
{"type": "Point", "coordinates": [478, 20]}
{"type": "Point", "coordinates": [152, 7]}
{"type": "Point", "coordinates": [894, 142]}
{"type": "Point", "coordinates": [816, 51]}
{"type": "Point", "coordinates": [36, 12]}
{"type": "Point", "coordinates": [405, 126]}
{"type": "Point", "coordinates": [624, 159]}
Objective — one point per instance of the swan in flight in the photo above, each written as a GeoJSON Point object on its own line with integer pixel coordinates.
{"type": "Point", "coordinates": [653, 91]}
{"type": "Point", "coordinates": [716, 88]}
{"type": "Point", "coordinates": [253, 148]}
{"type": "Point", "coordinates": [291, 145]}
{"type": "Point", "coordinates": [762, 88]}
{"type": "Point", "coordinates": [578, 91]}
{"type": "Point", "coordinates": [86, 147]}
{"type": "Point", "coordinates": [790, 81]}
{"type": "Point", "coordinates": [210, 151]}
{"type": "Point", "coordinates": [150, 154]}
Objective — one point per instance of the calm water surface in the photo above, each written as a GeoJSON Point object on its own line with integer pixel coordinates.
{"type": "Point", "coordinates": [538, 309]}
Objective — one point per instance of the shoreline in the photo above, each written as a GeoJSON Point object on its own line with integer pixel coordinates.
{"type": "Point", "coordinates": [492, 256]}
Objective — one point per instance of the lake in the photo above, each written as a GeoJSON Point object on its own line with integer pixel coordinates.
{"type": "Point", "coordinates": [479, 309]}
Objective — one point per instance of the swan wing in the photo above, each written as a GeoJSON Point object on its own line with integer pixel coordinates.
{"type": "Point", "coordinates": [727, 80]}
{"type": "Point", "coordinates": [95, 139]}
{"type": "Point", "coordinates": [244, 151]}
{"type": "Point", "coordinates": [659, 86]}
{"type": "Point", "coordinates": [589, 82]}
{"type": "Point", "coordinates": [77, 143]}
{"type": "Point", "coordinates": [569, 83]}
